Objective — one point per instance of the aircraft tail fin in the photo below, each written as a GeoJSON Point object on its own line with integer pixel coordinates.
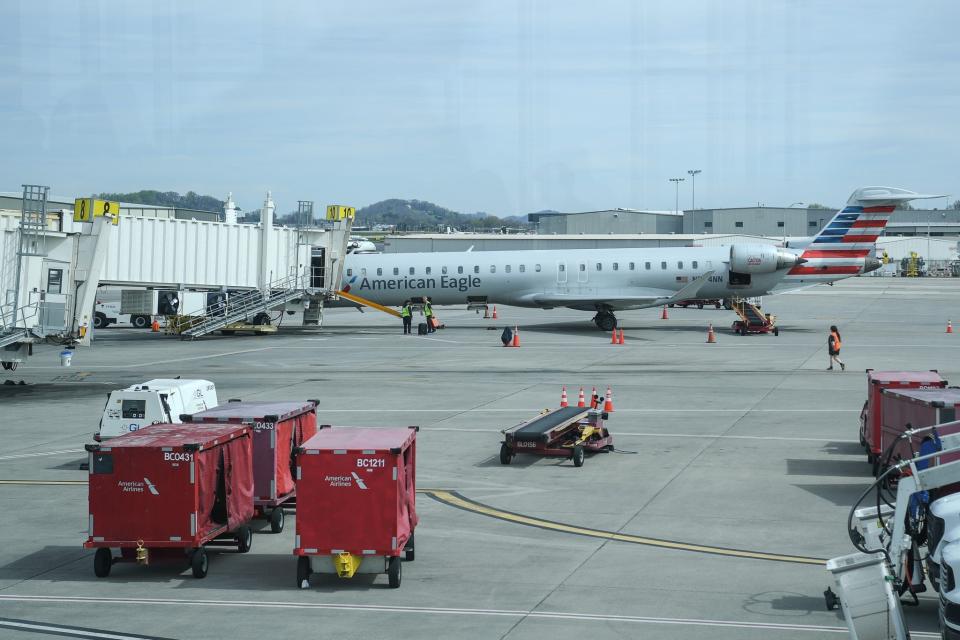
{"type": "Point", "coordinates": [845, 245]}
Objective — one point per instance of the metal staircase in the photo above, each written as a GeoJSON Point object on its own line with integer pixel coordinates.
{"type": "Point", "coordinates": [243, 306]}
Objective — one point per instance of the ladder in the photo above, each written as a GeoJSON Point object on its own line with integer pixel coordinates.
{"type": "Point", "coordinates": [749, 313]}
{"type": "Point", "coordinates": [240, 307]}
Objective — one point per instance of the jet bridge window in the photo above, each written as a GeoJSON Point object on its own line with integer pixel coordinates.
{"type": "Point", "coordinates": [738, 223]}
{"type": "Point", "coordinates": [779, 223]}
{"type": "Point", "coordinates": [812, 223]}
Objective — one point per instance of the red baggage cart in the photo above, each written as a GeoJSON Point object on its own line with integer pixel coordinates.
{"type": "Point", "coordinates": [871, 416]}
{"type": "Point", "coordinates": [168, 491]}
{"type": "Point", "coordinates": [356, 502]}
{"type": "Point", "coordinates": [278, 429]}
{"type": "Point", "coordinates": [912, 408]}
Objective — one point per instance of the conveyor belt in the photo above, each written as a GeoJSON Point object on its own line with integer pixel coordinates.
{"type": "Point", "coordinates": [536, 429]}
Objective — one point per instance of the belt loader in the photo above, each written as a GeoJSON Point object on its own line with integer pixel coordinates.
{"type": "Point", "coordinates": [920, 515]}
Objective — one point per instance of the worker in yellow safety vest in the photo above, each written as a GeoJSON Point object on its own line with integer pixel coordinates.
{"type": "Point", "coordinates": [428, 314]}
{"type": "Point", "coordinates": [406, 316]}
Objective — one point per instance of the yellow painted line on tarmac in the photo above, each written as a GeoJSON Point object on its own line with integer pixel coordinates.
{"type": "Point", "coordinates": [454, 499]}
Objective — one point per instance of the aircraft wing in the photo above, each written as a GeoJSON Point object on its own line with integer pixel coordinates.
{"type": "Point", "coordinates": [637, 298]}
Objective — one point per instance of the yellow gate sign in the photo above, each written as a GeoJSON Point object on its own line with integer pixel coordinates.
{"type": "Point", "coordinates": [86, 209]}
{"type": "Point", "coordinates": [340, 212]}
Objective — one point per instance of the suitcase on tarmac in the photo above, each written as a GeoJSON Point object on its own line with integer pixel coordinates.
{"type": "Point", "coordinates": [434, 322]}
{"type": "Point", "coordinates": [422, 329]}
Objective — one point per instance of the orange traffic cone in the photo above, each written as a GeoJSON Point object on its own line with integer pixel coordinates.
{"type": "Point", "coordinates": [613, 337]}
{"type": "Point", "coordinates": [608, 404]}
{"type": "Point", "coordinates": [621, 337]}
{"type": "Point", "coordinates": [593, 398]}
{"type": "Point", "coordinates": [563, 398]}
{"type": "Point", "coordinates": [949, 327]}
{"type": "Point", "coordinates": [581, 402]}
{"type": "Point", "coordinates": [516, 336]}
{"type": "Point", "coordinates": [494, 312]}
{"type": "Point", "coordinates": [664, 316]}
{"type": "Point", "coordinates": [155, 326]}
{"type": "Point", "coordinates": [711, 336]}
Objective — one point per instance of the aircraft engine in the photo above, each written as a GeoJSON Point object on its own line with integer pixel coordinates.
{"type": "Point", "coordinates": [761, 258]}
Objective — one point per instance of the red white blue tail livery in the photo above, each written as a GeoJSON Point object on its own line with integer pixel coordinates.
{"type": "Point", "coordinates": [846, 246]}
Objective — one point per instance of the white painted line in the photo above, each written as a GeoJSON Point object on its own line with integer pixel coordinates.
{"type": "Point", "coordinates": [41, 453]}
{"type": "Point", "coordinates": [72, 632]}
{"type": "Point", "coordinates": [701, 436]}
{"type": "Point", "coordinates": [506, 613]}
{"type": "Point", "coordinates": [393, 410]}
{"type": "Point", "coordinates": [155, 362]}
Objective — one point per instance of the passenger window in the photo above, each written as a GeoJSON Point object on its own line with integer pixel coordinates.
{"type": "Point", "coordinates": [459, 269]}
{"type": "Point", "coordinates": [507, 268]}
{"type": "Point", "coordinates": [493, 268]}
{"type": "Point", "coordinates": [363, 272]}
{"type": "Point", "coordinates": [379, 271]}
{"type": "Point", "coordinates": [599, 266]}
{"type": "Point", "coordinates": [680, 264]}
{"type": "Point", "coordinates": [396, 271]}
{"type": "Point", "coordinates": [647, 266]}
{"type": "Point", "coordinates": [616, 266]}
{"type": "Point", "coordinates": [536, 268]}
{"type": "Point", "coordinates": [663, 265]}
{"type": "Point", "coordinates": [349, 272]}
{"type": "Point", "coordinates": [694, 264]}
{"type": "Point", "coordinates": [583, 266]}
{"type": "Point", "coordinates": [412, 271]}
{"type": "Point", "coordinates": [632, 266]}
{"type": "Point", "coordinates": [443, 270]}
{"type": "Point", "coordinates": [428, 270]}
{"type": "Point", "coordinates": [476, 268]}
{"type": "Point", "coordinates": [562, 267]}
{"type": "Point", "coordinates": [523, 268]}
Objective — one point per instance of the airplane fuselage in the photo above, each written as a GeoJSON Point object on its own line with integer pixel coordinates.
{"type": "Point", "coordinates": [523, 278]}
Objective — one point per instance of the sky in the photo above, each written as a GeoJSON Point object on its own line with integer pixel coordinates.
{"type": "Point", "coordinates": [505, 107]}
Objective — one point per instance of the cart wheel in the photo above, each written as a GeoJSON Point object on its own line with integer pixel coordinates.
{"type": "Point", "coordinates": [393, 571]}
{"type": "Point", "coordinates": [776, 331]}
{"type": "Point", "coordinates": [577, 456]}
{"type": "Point", "coordinates": [408, 553]}
{"type": "Point", "coordinates": [244, 538]}
{"type": "Point", "coordinates": [505, 454]}
{"type": "Point", "coordinates": [102, 561]}
{"type": "Point", "coordinates": [276, 520]}
{"type": "Point", "coordinates": [303, 572]}
{"type": "Point", "coordinates": [199, 563]}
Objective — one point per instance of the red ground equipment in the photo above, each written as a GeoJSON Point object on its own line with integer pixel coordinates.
{"type": "Point", "coordinates": [753, 320]}
{"type": "Point", "coordinates": [278, 429]}
{"type": "Point", "coordinates": [568, 432]}
{"type": "Point", "coordinates": [912, 408]}
{"type": "Point", "coordinates": [871, 417]}
{"type": "Point", "coordinates": [356, 502]}
{"type": "Point", "coordinates": [167, 491]}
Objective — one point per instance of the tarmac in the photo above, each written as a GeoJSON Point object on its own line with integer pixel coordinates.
{"type": "Point", "coordinates": [735, 467]}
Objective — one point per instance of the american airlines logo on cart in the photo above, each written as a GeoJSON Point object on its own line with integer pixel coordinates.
{"type": "Point", "coordinates": [345, 481]}
{"type": "Point", "coordinates": [135, 486]}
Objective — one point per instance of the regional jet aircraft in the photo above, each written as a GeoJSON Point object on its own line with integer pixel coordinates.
{"type": "Point", "coordinates": [607, 280]}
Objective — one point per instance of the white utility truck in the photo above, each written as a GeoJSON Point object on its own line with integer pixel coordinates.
{"type": "Point", "coordinates": [152, 402]}
{"type": "Point", "coordinates": [914, 515]}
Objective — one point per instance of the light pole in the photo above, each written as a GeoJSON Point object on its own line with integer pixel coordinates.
{"type": "Point", "coordinates": [693, 186]}
{"type": "Point", "coordinates": [677, 181]}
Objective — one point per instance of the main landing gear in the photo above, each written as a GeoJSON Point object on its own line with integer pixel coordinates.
{"type": "Point", "coordinates": [605, 320]}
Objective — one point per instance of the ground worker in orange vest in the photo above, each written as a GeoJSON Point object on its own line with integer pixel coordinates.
{"type": "Point", "coordinates": [833, 348]}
